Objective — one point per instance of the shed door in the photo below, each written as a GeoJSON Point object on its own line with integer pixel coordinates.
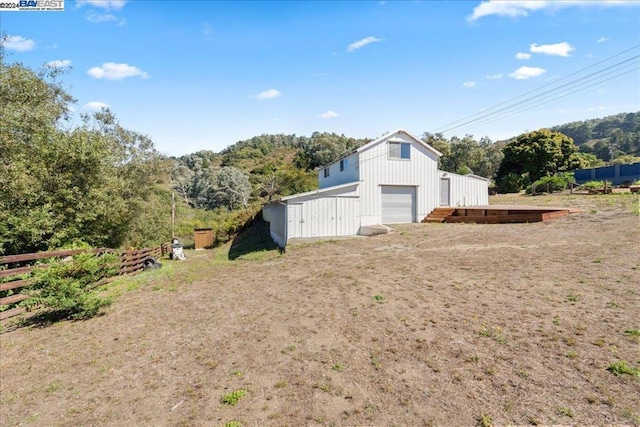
{"type": "Point", "coordinates": [398, 204]}
{"type": "Point", "coordinates": [445, 190]}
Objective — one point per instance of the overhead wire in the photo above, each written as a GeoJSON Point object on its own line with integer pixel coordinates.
{"type": "Point", "coordinates": [508, 104]}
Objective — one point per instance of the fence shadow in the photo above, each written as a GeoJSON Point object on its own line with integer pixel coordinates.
{"type": "Point", "coordinates": [253, 238]}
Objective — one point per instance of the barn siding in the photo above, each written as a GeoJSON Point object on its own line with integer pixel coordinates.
{"type": "Point", "coordinates": [336, 176]}
{"type": "Point", "coordinates": [376, 169]}
{"type": "Point", "coordinates": [466, 190]}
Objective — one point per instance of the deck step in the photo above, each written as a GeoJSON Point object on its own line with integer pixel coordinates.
{"type": "Point", "coordinates": [439, 214]}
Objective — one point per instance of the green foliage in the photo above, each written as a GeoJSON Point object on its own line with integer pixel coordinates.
{"type": "Point", "coordinates": [632, 332]}
{"type": "Point", "coordinates": [551, 184]}
{"type": "Point", "coordinates": [596, 185]}
{"type": "Point", "coordinates": [535, 155]}
{"type": "Point", "coordinates": [466, 155]}
{"type": "Point", "coordinates": [67, 286]}
{"type": "Point", "coordinates": [233, 398]}
{"type": "Point", "coordinates": [324, 148]}
{"type": "Point", "coordinates": [512, 182]}
{"type": "Point", "coordinates": [485, 420]}
{"type": "Point", "coordinates": [378, 298]}
{"type": "Point", "coordinates": [621, 368]}
{"type": "Point", "coordinates": [618, 134]}
{"type": "Point", "coordinates": [62, 184]}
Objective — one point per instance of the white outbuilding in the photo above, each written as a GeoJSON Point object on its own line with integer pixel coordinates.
{"type": "Point", "coordinates": [393, 179]}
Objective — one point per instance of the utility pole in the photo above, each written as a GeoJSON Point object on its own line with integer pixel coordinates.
{"type": "Point", "coordinates": [173, 215]}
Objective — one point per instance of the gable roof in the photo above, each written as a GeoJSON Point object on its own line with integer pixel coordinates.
{"type": "Point", "coordinates": [390, 136]}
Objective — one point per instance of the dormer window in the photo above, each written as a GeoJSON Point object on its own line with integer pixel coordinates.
{"type": "Point", "coordinates": [326, 172]}
{"type": "Point", "coordinates": [399, 150]}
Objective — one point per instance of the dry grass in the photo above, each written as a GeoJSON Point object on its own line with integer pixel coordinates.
{"type": "Point", "coordinates": [476, 324]}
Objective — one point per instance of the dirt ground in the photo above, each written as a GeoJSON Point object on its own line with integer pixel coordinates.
{"type": "Point", "coordinates": [435, 324]}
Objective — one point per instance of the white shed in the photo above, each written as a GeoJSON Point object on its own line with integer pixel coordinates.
{"type": "Point", "coordinates": [393, 179]}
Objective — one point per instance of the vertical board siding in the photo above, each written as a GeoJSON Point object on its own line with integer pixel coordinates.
{"type": "Point", "coordinates": [377, 169]}
{"type": "Point", "coordinates": [466, 191]}
{"type": "Point", "coordinates": [336, 176]}
{"type": "Point", "coordinates": [334, 213]}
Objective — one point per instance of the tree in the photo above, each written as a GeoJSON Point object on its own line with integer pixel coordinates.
{"type": "Point", "coordinates": [230, 188]}
{"type": "Point", "coordinates": [61, 185]}
{"type": "Point", "coordinates": [534, 155]}
{"type": "Point", "coordinates": [324, 148]}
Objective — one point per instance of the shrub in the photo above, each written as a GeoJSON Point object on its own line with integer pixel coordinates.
{"type": "Point", "coordinates": [67, 286]}
{"type": "Point", "coordinates": [596, 185]}
{"type": "Point", "coordinates": [551, 184]}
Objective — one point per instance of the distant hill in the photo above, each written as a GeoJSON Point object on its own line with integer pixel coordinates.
{"type": "Point", "coordinates": [620, 133]}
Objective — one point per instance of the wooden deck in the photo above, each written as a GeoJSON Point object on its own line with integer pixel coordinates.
{"type": "Point", "coordinates": [497, 214]}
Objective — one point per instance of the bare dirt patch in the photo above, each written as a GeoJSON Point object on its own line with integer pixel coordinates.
{"type": "Point", "coordinates": [444, 324]}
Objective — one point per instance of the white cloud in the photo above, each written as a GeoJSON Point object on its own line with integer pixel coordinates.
{"type": "Point", "coordinates": [18, 43]}
{"type": "Point", "coordinates": [469, 85]}
{"type": "Point", "coordinates": [329, 114]}
{"type": "Point", "coordinates": [95, 105]}
{"type": "Point", "coordinates": [98, 18]}
{"type": "Point", "coordinates": [522, 55]}
{"type": "Point", "coordinates": [494, 76]}
{"type": "Point", "coordinates": [516, 8]}
{"type": "Point", "coordinates": [602, 39]}
{"type": "Point", "coordinates": [104, 4]}
{"type": "Point", "coordinates": [361, 43]}
{"type": "Point", "coordinates": [268, 94]}
{"type": "Point", "coordinates": [512, 9]}
{"type": "Point", "coordinates": [59, 63]}
{"type": "Point", "coordinates": [524, 73]}
{"type": "Point", "coordinates": [558, 49]}
{"type": "Point", "coordinates": [113, 71]}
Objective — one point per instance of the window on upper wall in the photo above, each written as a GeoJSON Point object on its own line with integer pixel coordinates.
{"type": "Point", "coordinates": [326, 172]}
{"type": "Point", "coordinates": [343, 164]}
{"type": "Point", "coordinates": [399, 150]}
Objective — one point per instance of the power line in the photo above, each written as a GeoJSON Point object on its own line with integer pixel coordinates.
{"type": "Point", "coordinates": [564, 95]}
{"type": "Point", "coordinates": [487, 110]}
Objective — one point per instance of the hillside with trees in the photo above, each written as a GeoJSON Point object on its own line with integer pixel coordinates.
{"type": "Point", "coordinates": [618, 135]}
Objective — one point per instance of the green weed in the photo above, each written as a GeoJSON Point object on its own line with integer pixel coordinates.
{"type": "Point", "coordinates": [632, 332]}
{"type": "Point", "coordinates": [485, 420]}
{"type": "Point", "coordinates": [233, 398]}
{"type": "Point", "coordinates": [621, 368]}
{"type": "Point", "coordinates": [378, 298]}
{"type": "Point", "coordinates": [53, 387]}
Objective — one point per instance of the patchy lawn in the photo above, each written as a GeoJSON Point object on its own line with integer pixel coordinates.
{"type": "Point", "coordinates": [446, 324]}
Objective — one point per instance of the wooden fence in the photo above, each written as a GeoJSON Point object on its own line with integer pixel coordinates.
{"type": "Point", "coordinates": [131, 262]}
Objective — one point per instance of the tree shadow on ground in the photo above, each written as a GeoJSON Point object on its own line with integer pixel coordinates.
{"type": "Point", "coordinates": [254, 237]}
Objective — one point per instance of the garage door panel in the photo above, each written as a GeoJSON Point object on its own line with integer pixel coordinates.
{"type": "Point", "coordinates": [398, 204]}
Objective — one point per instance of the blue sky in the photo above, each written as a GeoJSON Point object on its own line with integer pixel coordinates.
{"type": "Point", "coordinates": [203, 74]}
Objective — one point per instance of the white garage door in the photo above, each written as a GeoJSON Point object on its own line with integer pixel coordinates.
{"type": "Point", "coordinates": [398, 204]}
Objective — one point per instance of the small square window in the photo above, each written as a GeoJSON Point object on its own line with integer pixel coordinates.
{"type": "Point", "coordinates": [326, 172]}
{"type": "Point", "coordinates": [399, 150]}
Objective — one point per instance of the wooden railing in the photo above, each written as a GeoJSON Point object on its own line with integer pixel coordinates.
{"type": "Point", "coordinates": [131, 262]}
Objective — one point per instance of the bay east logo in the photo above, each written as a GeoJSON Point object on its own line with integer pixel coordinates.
{"type": "Point", "coordinates": [32, 5]}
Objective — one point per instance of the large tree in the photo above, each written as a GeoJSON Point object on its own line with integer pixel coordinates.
{"type": "Point", "coordinates": [533, 155]}
{"type": "Point", "coordinates": [60, 184]}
